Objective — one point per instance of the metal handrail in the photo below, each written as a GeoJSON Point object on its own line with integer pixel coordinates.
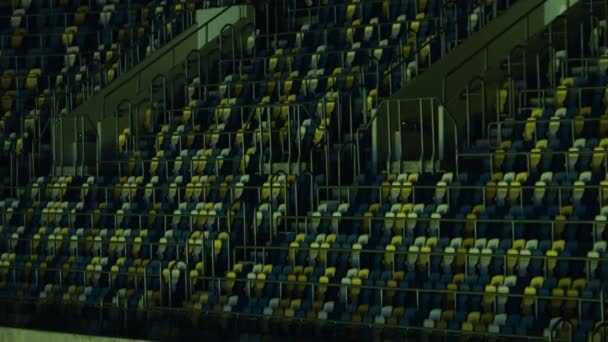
{"type": "Point", "coordinates": [275, 104]}
{"type": "Point", "coordinates": [230, 27]}
{"type": "Point", "coordinates": [560, 119]}
{"type": "Point", "coordinates": [251, 282]}
{"type": "Point", "coordinates": [186, 214]}
{"type": "Point", "coordinates": [572, 121]}
{"type": "Point", "coordinates": [144, 186]}
{"type": "Point", "coordinates": [456, 253]}
{"type": "Point", "coordinates": [575, 87]}
{"type": "Point", "coordinates": [528, 153]}
{"type": "Point", "coordinates": [306, 54]}
{"type": "Point", "coordinates": [558, 325]}
{"type": "Point", "coordinates": [603, 325]}
{"type": "Point", "coordinates": [448, 187]}
{"type": "Point", "coordinates": [62, 13]}
{"type": "Point", "coordinates": [51, 34]}
{"type": "Point", "coordinates": [321, 6]}
{"type": "Point", "coordinates": [253, 109]}
{"type": "Point", "coordinates": [255, 58]}
{"type": "Point", "coordinates": [221, 223]}
{"type": "Point", "coordinates": [128, 244]}
{"type": "Point", "coordinates": [327, 29]}
{"type": "Point", "coordinates": [378, 187]}
{"type": "Point", "coordinates": [308, 218]}
{"type": "Point", "coordinates": [253, 82]}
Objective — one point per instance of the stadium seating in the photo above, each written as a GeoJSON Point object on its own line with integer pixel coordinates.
{"type": "Point", "coordinates": [60, 53]}
{"type": "Point", "coordinates": [198, 217]}
{"type": "Point", "coordinates": [553, 146]}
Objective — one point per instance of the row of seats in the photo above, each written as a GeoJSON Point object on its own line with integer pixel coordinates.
{"type": "Point", "coordinates": [197, 228]}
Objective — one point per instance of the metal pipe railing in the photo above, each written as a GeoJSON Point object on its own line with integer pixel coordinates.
{"type": "Point", "coordinates": [284, 283]}
{"type": "Point", "coordinates": [309, 224]}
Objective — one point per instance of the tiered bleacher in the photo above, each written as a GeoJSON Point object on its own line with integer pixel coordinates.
{"type": "Point", "coordinates": [57, 54]}
{"type": "Point", "coordinates": [227, 208]}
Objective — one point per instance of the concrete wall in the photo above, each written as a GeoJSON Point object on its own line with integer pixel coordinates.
{"type": "Point", "coordinates": [22, 335]}
{"type": "Point", "coordinates": [98, 114]}
{"type": "Point", "coordinates": [231, 16]}
{"type": "Point", "coordinates": [554, 8]}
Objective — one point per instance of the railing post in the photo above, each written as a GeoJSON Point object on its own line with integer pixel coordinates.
{"type": "Point", "coordinates": [212, 258]}
{"type": "Point", "coordinates": [602, 305]}
{"type": "Point", "coordinates": [512, 230]}
{"type": "Point", "coordinates": [466, 266]}
{"type": "Point", "coordinates": [421, 118]}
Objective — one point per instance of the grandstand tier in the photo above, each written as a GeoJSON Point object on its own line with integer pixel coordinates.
{"type": "Point", "coordinates": [249, 198]}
